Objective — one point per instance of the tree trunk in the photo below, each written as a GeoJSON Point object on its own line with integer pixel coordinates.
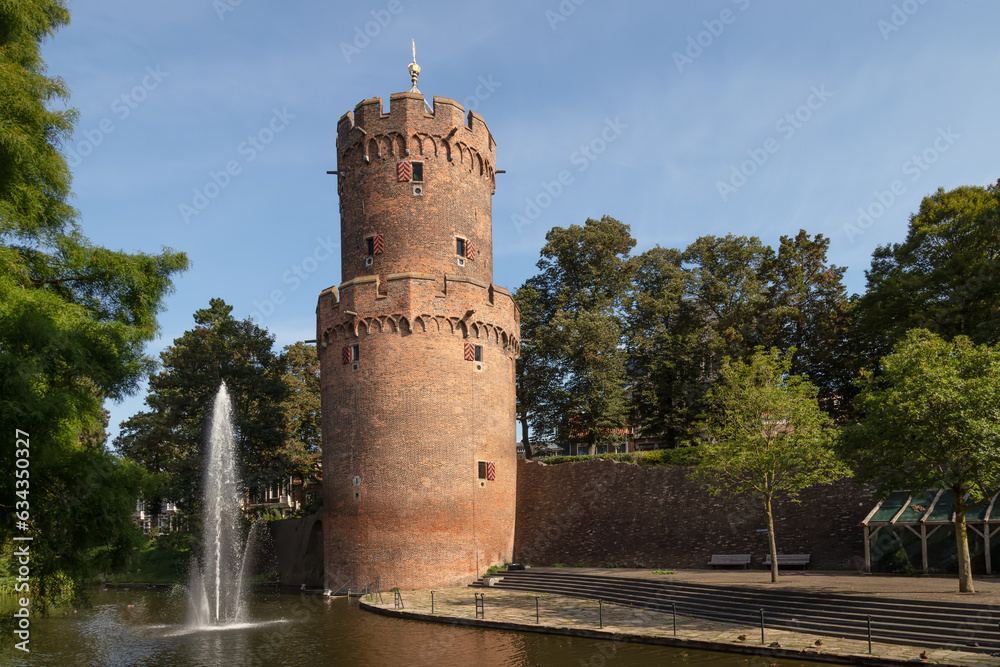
{"type": "Point", "coordinates": [770, 539]}
{"type": "Point", "coordinates": [962, 544]}
{"type": "Point", "coordinates": [528, 454]}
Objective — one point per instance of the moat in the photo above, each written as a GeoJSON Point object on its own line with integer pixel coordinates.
{"type": "Point", "coordinates": [148, 628]}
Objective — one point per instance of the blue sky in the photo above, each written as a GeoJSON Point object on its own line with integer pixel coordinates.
{"type": "Point", "coordinates": [678, 118]}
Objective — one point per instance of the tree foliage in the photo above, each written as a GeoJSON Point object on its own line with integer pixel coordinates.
{"type": "Point", "coordinates": [668, 318]}
{"type": "Point", "coordinates": [301, 408]}
{"type": "Point", "coordinates": [944, 277]}
{"type": "Point", "coordinates": [572, 368]}
{"type": "Point", "coordinates": [74, 322]}
{"type": "Point", "coordinates": [768, 436]}
{"type": "Point", "coordinates": [669, 352]}
{"type": "Point", "coordinates": [169, 438]}
{"type": "Point", "coordinates": [930, 421]}
{"type": "Point", "coordinates": [723, 297]}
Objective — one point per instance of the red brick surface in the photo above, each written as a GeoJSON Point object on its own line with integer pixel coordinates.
{"type": "Point", "coordinates": [413, 421]}
{"type": "Point", "coordinates": [600, 512]}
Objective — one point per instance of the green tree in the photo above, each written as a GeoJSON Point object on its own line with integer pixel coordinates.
{"type": "Point", "coordinates": [945, 277]}
{"type": "Point", "coordinates": [303, 426]}
{"type": "Point", "coordinates": [168, 439]}
{"type": "Point", "coordinates": [668, 347]}
{"type": "Point", "coordinates": [768, 436]}
{"type": "Point", "coordinates": [930, 421]}
{"type": "Point", "coordinates": [808, 309]}
{"type": "Point", "coordinates": [536, 368]}
{"type": "Point", "coordinates": [688, 311]}
{"type": "Point", "coordinates": [723, 297]}
{"type": "Point", "coordinates": [728, 287]}
{"type": "Point", "coordinates": [74, 322]}
{"type": "Point", "coordinates": [573, 377]}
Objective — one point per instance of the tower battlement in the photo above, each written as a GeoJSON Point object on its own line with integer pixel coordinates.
{"type": "Point", "coordinates": [416, 302]}
{"type": "Point", "coordinates": [408, 114]}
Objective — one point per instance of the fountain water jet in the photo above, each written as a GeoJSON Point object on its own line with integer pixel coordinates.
{"type": "Point", "coordinates": [215, 588]}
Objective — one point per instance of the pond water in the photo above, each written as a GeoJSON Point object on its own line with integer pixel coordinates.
{"type": "Point", "coordinates": [309, 631]}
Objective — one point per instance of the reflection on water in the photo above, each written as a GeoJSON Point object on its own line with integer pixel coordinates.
{"type": "Point", "coordinates": [308, 631]}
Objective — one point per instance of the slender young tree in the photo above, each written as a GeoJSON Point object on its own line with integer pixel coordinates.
{"type": "Point", "coordinates": [930, 422]}
{"type": "Point", "coordinates": [768, 436]}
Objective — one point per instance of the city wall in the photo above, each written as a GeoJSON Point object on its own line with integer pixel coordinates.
{"type": "Point", "coordinates": [599, 512]}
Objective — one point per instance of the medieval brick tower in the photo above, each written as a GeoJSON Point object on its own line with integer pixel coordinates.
{"type": "Point", "coordinates": [417, 349]}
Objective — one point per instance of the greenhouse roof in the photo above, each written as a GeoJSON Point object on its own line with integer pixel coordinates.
{"type": "Point", "coordinates": [936, 506]}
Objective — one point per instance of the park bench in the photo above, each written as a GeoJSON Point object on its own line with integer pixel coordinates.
{"type": "Point", "coordinates": [730, 560]}
{"type": "Point", "coordinates": [786, 560]}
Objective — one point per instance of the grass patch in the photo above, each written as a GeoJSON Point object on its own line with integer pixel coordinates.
{"type": "Point", "coordinates": [559, 565]}
{"type": "Point", "coordinates": [493, 569]}
{"type": "Point", "coordinates": [681, 456]}
{"type": "Point", "coordinates": [663, 572]}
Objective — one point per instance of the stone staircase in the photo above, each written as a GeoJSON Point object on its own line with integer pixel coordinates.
{"type": "Point", "coordinates": [959, 626]}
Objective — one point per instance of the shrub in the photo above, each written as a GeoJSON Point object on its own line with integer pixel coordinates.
{"type": "Point", "coordinates": [681, 456]}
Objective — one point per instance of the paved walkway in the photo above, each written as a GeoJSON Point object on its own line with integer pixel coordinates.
{"type": "Point", "coordinates": [564, 615]}
{"type": "Point", "coordinates": [901, 587]}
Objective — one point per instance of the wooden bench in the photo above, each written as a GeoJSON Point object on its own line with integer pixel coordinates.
{"type": "Point", "coordinates": [730, 560]}
{"type": "Point", "coordinates": [793, 560]}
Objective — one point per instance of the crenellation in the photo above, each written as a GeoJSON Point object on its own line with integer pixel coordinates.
{"type": "Point", "coordinates": [407, 108]}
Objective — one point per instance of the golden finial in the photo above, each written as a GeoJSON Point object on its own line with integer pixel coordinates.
{"type": "Point", "coordinates": [414, 68]}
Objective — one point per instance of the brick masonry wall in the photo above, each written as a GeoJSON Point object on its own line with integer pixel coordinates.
{"type": "Point", "coordinates": [599, 512]}
{"type": "Point", "coordinates": [458, 156]}
{"type": "Point", "coordinates": [403, 433]}
{"type": "Point", "coordinates": [298, 550]}
{"type": "Point", "coordinates": [412, 424]}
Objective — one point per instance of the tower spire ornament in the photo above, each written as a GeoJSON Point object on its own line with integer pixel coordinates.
{"type": "Point", "coordinates": [414, 68]}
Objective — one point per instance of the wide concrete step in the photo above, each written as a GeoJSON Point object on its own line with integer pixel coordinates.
{"type": "Point", "coordinates": [917, 623]}
{"type": "Point", "coordinates": [670, 590]}
{"type": "Point", "coordinates": [883, 611]}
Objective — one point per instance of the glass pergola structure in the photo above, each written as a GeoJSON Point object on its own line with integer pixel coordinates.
{"type": "Point", "coordinates": [905, 520]}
